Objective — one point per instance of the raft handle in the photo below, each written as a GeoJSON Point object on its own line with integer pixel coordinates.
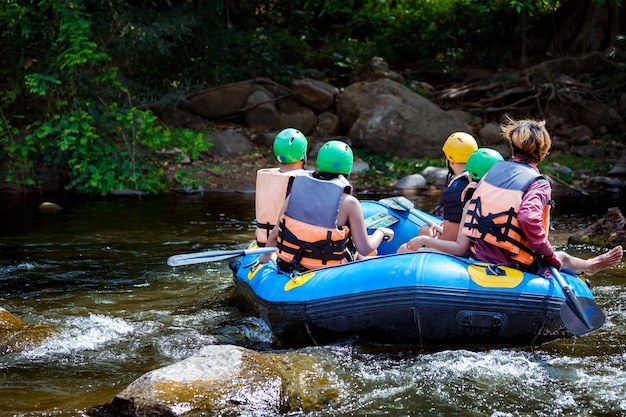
{"type": "Point", "coordinates": [481, 319]}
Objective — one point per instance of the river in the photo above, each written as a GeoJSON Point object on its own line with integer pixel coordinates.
{"type": "Point", "coordinates": [96, 271]}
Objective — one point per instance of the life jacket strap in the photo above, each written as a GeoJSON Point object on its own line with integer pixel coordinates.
{"type": "Point", "coordinates": [502, 232]}
{"type": "Point", "coordinates": [267, 227]}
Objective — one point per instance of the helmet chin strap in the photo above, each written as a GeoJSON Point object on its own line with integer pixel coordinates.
{"type": "Point", "coordinates": [451, 173]}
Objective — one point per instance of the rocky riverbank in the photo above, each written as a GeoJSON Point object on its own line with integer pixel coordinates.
{"type": "Point", "coordinates": [235, 158]}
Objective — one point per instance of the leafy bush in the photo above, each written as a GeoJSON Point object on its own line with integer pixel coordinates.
{"type": "Point", "coordinates": [83, 130]}
{"type": "Point", "coordinates": [73, 72]}
{"type": "Point", "coordinates": [578, 165]}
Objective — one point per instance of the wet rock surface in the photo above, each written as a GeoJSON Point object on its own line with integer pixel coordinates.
{"type": "Point", "coordinates": [226, 380]}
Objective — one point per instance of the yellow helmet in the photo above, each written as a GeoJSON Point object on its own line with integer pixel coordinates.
{"type": "Point", "coordinates": [459, 146]}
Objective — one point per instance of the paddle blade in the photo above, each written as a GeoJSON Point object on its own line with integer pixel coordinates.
{"type": "Point", "coordinates": [402, 203]}
{"type": "Point", "coordinates": [199, 257]}
{"type": "Point", "coordinates": [578, 313]}
{"type": "Point", "coordinates": [214, 256]}
{"type": "Point", "coordinates": [398, 203]}
{"type": "Point", "coordinates": [592, 312]}
{"type": "Point", "coordinates": [382, 219]}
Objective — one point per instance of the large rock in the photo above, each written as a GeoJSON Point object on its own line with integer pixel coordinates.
{"type": "Point", "coordinates": [314, 93]}
{"type": "Point", "coordinates": [599, 116]}
{"type": "Point", "coordinates": [229, 144]}
{"type": "Point", "coordinates": [262, 114]}
{"type": "Point", "coordinates": [490, 134]}
{"type": "Point", "coordinates": [217, 103]}
{"type": "Point", "coordinates": [226, 380]}
{"type": "Point", "coordinates": [220, 378]}
{"type": "Point", "coordinates": [302, 118]}
{"type": "Point", "coordinates": [16, 334]}
{"type": "Point", "coordinates": [387, 117]}
{"type": "Point", "coordinates": [375, 69]}
{"type": "Point", "coordinates": [327, 126]}
{"type": "Point", "coordinates": [436, 176]}
{"type": "Point", "coordinates": [230, 99]}
{"type": "Point", "coordinates": [608, 231]}
{"type": "Point", "coordinates": [619, 170]}
{"type": "Point", "coordinates": [411, 182]}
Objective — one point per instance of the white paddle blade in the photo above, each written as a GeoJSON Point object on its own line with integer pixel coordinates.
{"type": "Point", "coordinates": [214, 256]}
{"type": "Point", "coordinates": [382, 219]}
{"type": "Point", "coordinates": [402, 203]}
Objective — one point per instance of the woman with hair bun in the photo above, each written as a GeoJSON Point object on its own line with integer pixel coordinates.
{"type": "Point", "coordinates": [509, 213]}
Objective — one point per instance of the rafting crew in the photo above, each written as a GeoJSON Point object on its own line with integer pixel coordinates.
{"type": "Point", "coordinates": [274, 184]}
{"type": "Point", "coordinates": [507, 218]}
{"type": "Point", "coordinates": [457, 149]}
{"type": "Point", "coordinates": [321, 223]}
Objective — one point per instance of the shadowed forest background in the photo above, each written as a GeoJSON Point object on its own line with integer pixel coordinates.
{"type": "Point", "coordinates": [78, 77]}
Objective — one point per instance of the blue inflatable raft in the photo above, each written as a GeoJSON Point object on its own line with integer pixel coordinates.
{"type": "Point", "coordinates": [424, 298]}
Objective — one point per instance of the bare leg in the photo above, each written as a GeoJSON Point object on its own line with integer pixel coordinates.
{"type": "Point", "coordinates": [593, 265]}
{"type": "Point", "coordinates": [402, 249]}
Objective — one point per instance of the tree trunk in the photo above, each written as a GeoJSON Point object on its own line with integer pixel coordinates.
{"type": "Point", "coordinates": [579, 27]}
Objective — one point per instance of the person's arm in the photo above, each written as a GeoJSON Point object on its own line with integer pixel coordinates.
{"type": "Point", "coordinates": [450, 230]}
{"type": "Point", "coordinates": [453, 247]}
{"type": "Point", "coordinates": [458, 247]}
{"type": "Point", "coordinates": [426, 230]}
{"type": "Point", "coordinates": [530, 218]}
{"type": "Point", "coordinates": [351, 212]}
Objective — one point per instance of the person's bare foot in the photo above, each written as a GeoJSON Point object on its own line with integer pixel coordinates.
{"type": "Point", "coordinates": [606, 260]}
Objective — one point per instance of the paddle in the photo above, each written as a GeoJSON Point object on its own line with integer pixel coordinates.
{"type": "Point", "coordinates": [580, 314]}
{"type": "Point", "coordinates": [404, 204]}
{"type": "Point", "coordinates": [214, 256]}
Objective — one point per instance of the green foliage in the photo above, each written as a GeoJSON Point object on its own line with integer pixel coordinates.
{"type": "Point", "coordinates": [441, 34]}
{"type": "Point", "coordinates": [160, 47]}
{"type": "Point", "coordinates": [195, 44]}
{"type": "Point", "coordinates": [385, 170]}
{"type": "Point", "coordinates": [578, 165]}
{"type": "Point", "coordinates": [188, 179]}
{"type": "Point", "coordinates": [332, 8]}
{"type": "Point", "coordinates": [73, 72]}
{"type": "Point", "coordinates": [83, 130]}
{"type": "Point", "coordinates": [267, 52]}
{"type": "Point", "coordinates": [618, 54]}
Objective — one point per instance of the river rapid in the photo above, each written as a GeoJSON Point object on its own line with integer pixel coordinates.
{"type": "Point", "coordinates": [97, 272]}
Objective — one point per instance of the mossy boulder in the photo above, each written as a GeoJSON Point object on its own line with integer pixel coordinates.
{"type": "Point", "coordinates": [16, 334]}
{"type": "Point", "coordinates": [606, 232]}
{"type": "Point", "coordinates": [227, 380]}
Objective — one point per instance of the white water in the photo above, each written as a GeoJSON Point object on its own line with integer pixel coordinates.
{"type": "Point", "coordinates": [97, 273]}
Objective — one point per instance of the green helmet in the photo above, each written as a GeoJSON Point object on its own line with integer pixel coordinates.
{"type": "Point", "coordinates": [459, 146]}
{"type": "Point", "coordinates": [480, 161]}
{"type": "Point", "coordinates": [335, 157]}
{"type": "Point", "coordinates": [290, 146]}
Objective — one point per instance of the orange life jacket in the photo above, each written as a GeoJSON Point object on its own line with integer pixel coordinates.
{"type": "Point", "coordinates": [493, 208]}
{"type": "Point", "coordinates": [272, 188]}
{"type": "Point", "coordinates": [308, 235]}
